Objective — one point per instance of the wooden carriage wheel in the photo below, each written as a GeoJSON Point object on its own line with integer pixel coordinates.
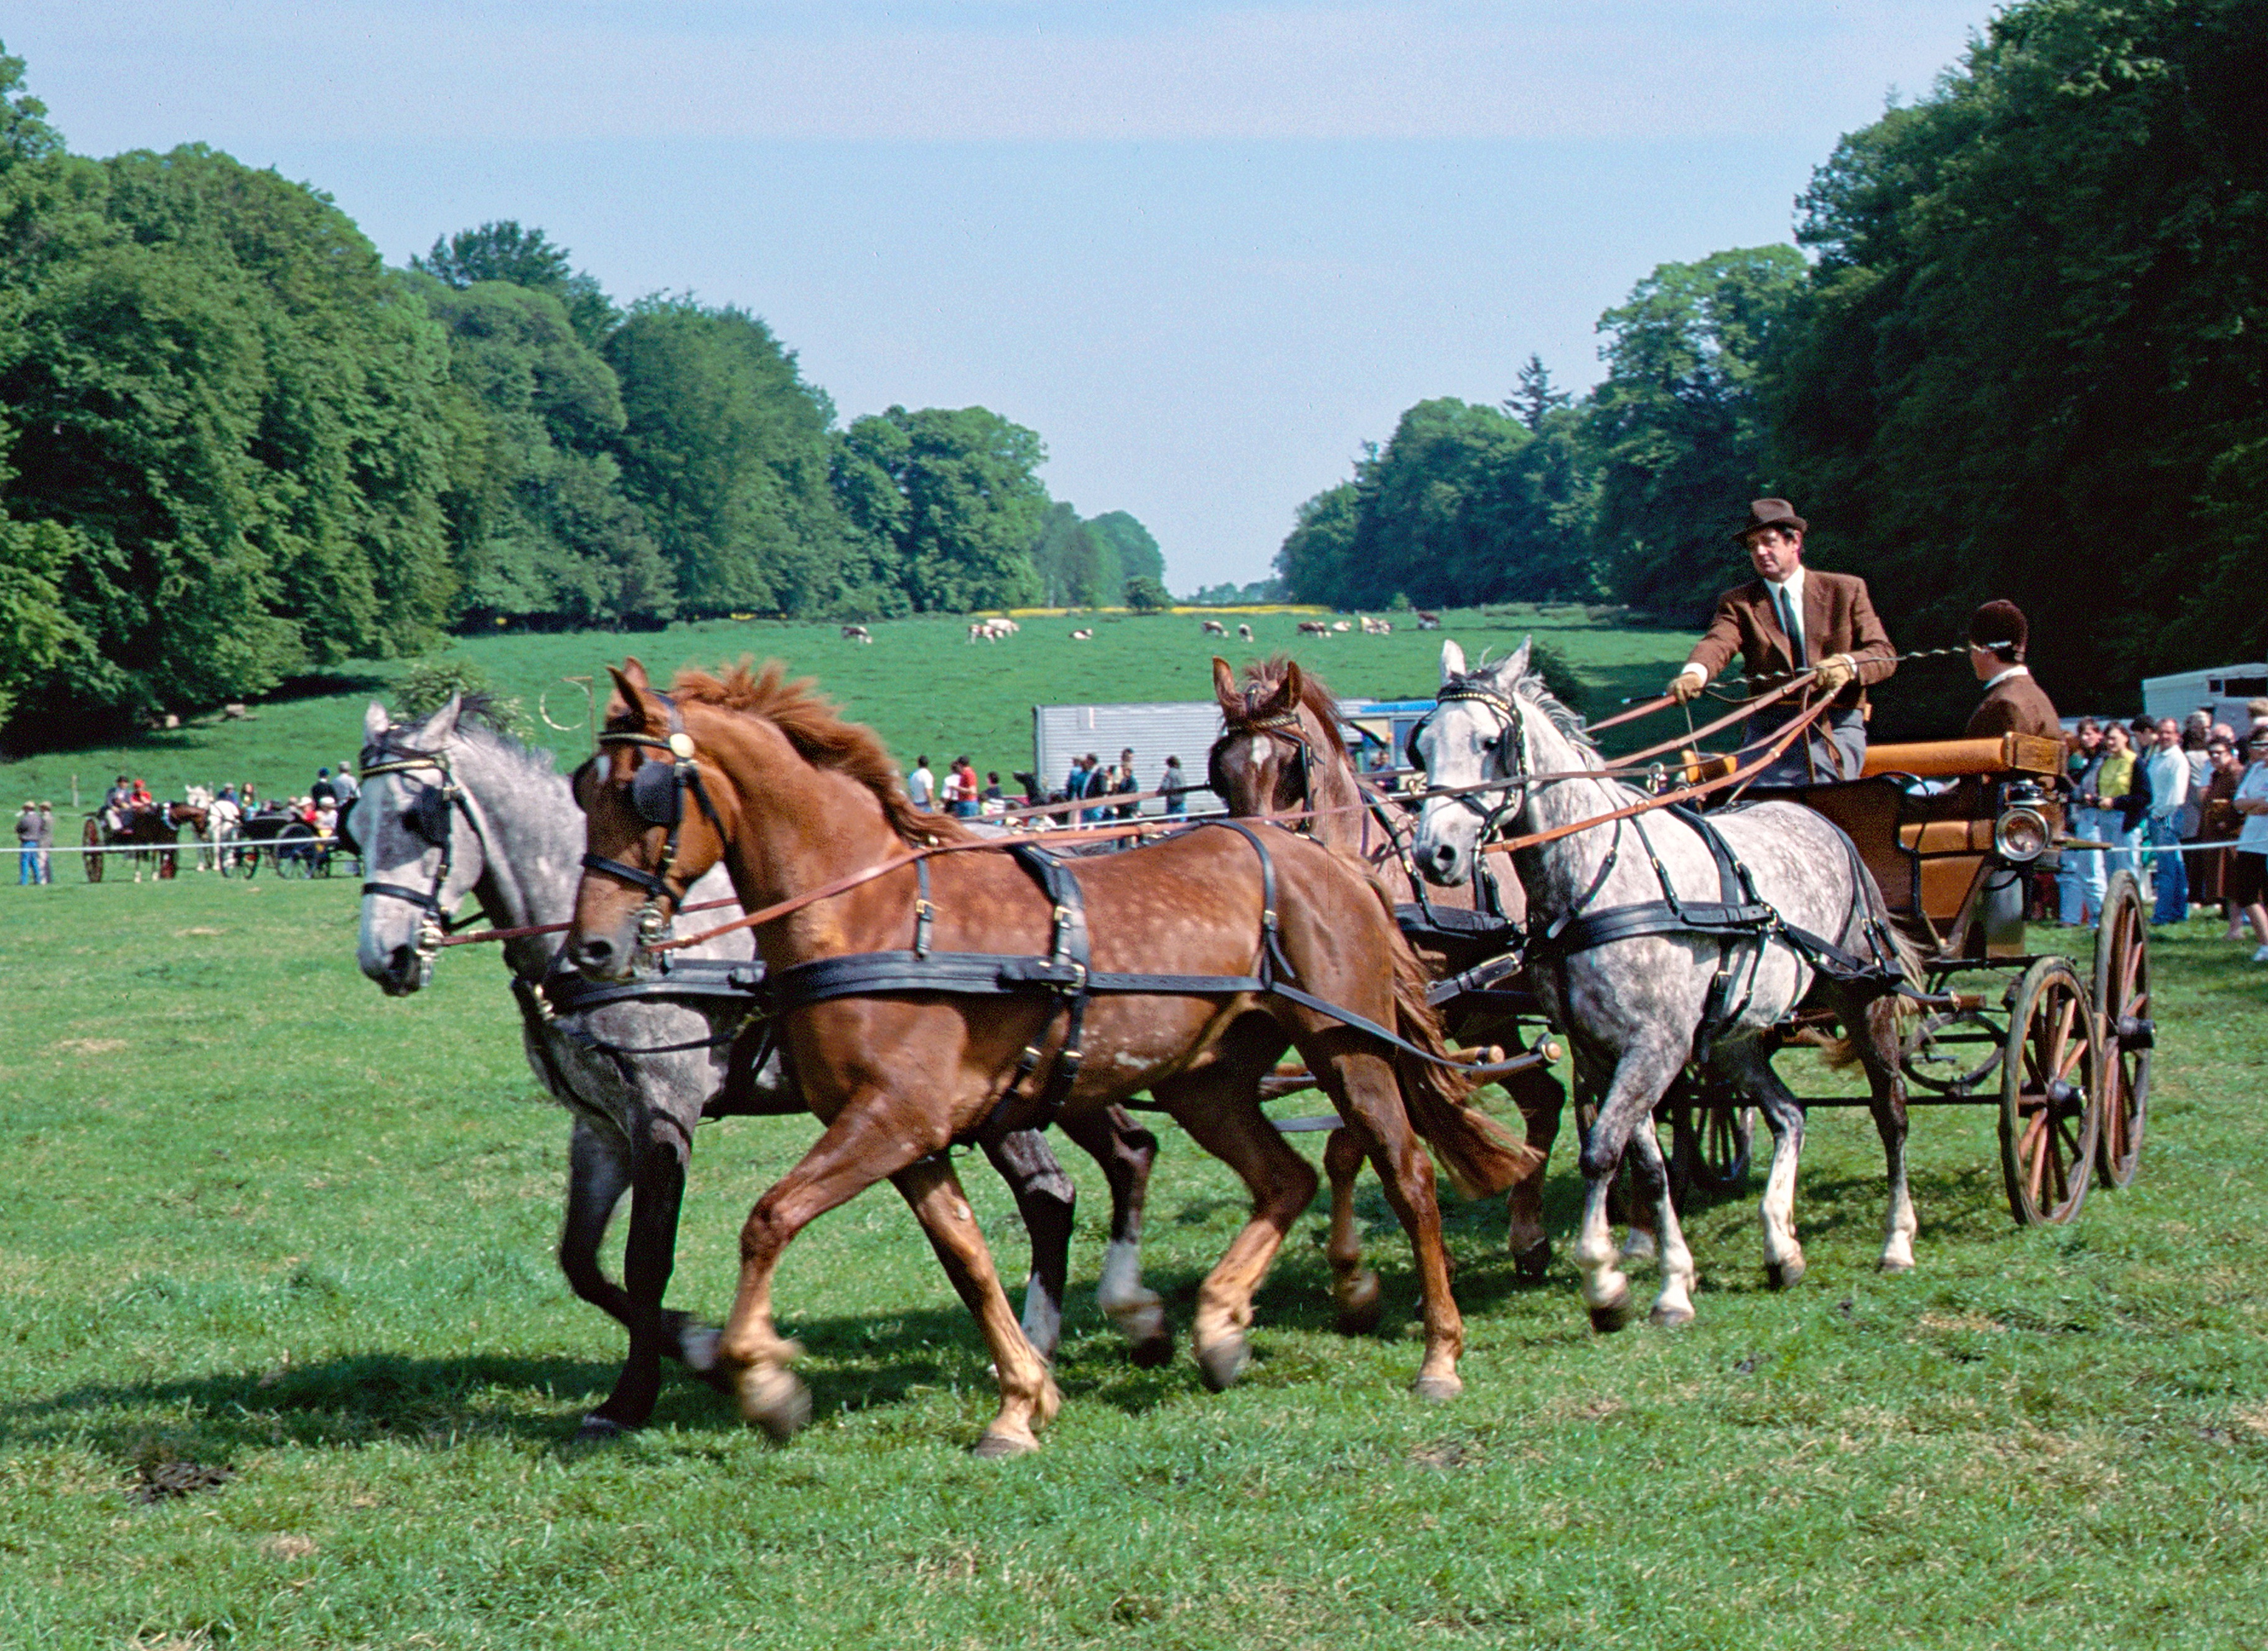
{"type": "Point", "coordinates": [2125, 1028]}
{"type": "Point", "coordinates": [2050, 1091]}
{"type": "Point", "coordinates": [1711, 1143]}
{"type": "Point", "coordinates": [93, 838]}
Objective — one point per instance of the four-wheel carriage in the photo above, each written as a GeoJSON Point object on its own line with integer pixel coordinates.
{"type": "Point", "coordinates": [1952, 831]}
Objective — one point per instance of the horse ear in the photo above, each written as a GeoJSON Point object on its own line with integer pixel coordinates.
{"type": "Point", "coordinates": [1223, 687]}
{"type": "Point", "coordinates": [628, 697]}
{"type": "Point", "coordinates": [635, 670]}
{"type": "Point", "coordinates": [375, 722]}
{"type": "Point", "coordinates": [1294, 689]}
{"type": "Point", "coordinates": [1514, 665]}
{"type": "Point", "coordinates": [437, 727]}
{"type": "Point", "coordinates": [1452, 660]}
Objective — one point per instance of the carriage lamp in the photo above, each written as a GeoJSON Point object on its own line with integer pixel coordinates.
{"type": "Point", "coordinates": [2021, 836]}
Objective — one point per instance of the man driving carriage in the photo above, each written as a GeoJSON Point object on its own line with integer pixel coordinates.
{"type": "Point", "coordinates": [1788, 619]}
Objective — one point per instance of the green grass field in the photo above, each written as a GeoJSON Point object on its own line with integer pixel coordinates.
{"type": "Point", "coordinates": [921, 684]}
{"type": "Point", "coordinates": [261, 1218]}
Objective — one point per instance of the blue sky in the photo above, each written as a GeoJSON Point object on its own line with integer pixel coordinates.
{"type": "Point", "coordinates": [1207, 250]}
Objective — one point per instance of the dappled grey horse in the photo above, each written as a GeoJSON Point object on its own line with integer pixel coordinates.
{"type": "Point", "coordinates": [451, 808]}
{"type": "Point", "coordinates": [1639, 1007]}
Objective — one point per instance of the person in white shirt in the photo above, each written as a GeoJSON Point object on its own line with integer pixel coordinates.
{"type": "Point", "coordinates": [2170, 792]}
{"type": "Point", "coordinates": [2248, 867]}
{"type": "Point", "coordinates": [921, 785]}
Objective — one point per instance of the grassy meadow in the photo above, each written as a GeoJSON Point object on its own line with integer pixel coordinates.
{"type": "Point", "coordinates": [262, 1221]}
{"type": "Point", "coordinates": [261, 1218]}
{"type": "Point", "coordinates": [921, 684]}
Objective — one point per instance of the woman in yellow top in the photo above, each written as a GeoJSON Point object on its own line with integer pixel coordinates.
{"type": "Point", "coordinates": [2113, 782]}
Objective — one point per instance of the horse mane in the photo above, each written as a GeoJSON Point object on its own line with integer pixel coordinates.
{"type": "Point", "coordinates": [817, 730]}
{"type": "Point", "coordinates": [480, 722]}
{"type": "Point", "coordinates": [1529, 686]}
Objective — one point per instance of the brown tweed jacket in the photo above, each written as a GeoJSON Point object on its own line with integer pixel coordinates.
{"type": "Point", "coordinates": [2016, 706]}
{"type": "Point", "coordinates": [1838, 617]}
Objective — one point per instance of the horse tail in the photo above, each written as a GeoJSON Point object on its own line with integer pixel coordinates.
{"type": "Point", "coordinates": [1472, 1148]}
{"type": "Point", "coordinates": [1842, 1053]}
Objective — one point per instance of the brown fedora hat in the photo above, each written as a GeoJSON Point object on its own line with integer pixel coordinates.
{"type": "Point", "coordinates": [1770, 512]}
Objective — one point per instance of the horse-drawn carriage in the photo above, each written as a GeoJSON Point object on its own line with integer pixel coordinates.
{"type": "Point", "coordinates": [289, 845]}
{"type": "Point", "coordinates": [1951, 830]}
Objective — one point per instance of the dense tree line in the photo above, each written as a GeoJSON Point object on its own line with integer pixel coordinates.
{"type": "Point", "coordinates": [2026, 359]}
{"type": "Point", "coordinates": [235, 447]}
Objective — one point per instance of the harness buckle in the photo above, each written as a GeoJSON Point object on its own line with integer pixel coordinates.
{"type": "Point", "coordinates": [653, 923]}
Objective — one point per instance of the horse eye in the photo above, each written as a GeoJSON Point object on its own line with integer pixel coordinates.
{"type": "Point", "coordinates": [1493, 743]}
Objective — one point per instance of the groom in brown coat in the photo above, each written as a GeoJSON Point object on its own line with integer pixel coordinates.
{"type": "Point", "coordinates": [1784, 620]}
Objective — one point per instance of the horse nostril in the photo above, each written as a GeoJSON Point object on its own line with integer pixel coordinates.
{"type": "Point", "coordinates": [398, 964]}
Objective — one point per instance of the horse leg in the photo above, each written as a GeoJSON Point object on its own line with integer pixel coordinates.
{"type": "Point", "coordinates": [1045, 1200]}
{"type": "Point", "coordinates": [1674, 1305]}
{"type": "Point", "coordinates": [1640, 1078]}
{"type": "Point", "coordinates": [865, 1144]}
{"type": "Point", "coordinates": [1878, 1050]}
{"type": "Point", "coordinates": [1219, 1107]}
{"type": "Point", "coordinates": [1362, 1085]}
{"type": "Point", "coordinates": [654, 1172]}
{"type": "Point", "coordinates": [1029, 1397]}
{"type": "Point", "coordinates": [1125, 1151]}
{"type": "Point", "coordinates": [1541, 1100]}
{"type": "Point", "coordinates": [1353, 1285]}
{"type": "Point", "coordinates": [1751, 1075]}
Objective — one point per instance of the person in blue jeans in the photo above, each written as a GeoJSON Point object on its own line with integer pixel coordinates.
{"type": "Point", "coordinates": [2080, 882]}
{"type": "Point", "coordinates": [2169, 790]}
{"type": "Point", "coordinates": [27, 845]}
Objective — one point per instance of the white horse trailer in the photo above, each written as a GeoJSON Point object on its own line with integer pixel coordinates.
{"type": "Point", "coordinates": [2224, 689]}
{"type": "Point", "coordinates": [1156, 731]}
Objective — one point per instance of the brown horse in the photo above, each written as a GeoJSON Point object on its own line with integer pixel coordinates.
{"type": "Point", "coordinates": [1281, 754]}
{"type": "Point", "coordinates": [798, 800]}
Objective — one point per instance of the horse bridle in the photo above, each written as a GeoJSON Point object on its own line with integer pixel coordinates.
{"type": "Point", "coordinates": [1510, 723]}
{"type": "Point", "coordinates": [1285, 726]}
{"type": "Point", "coordinates": [658, 797]}
{"type": "Point", "coordinates": [433, 817]}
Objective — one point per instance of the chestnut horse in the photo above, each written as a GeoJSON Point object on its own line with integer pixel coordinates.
{"type": "Point", "coordinates": [1282, 752]}
{"type": "Point", "coordinates": [794, 801]}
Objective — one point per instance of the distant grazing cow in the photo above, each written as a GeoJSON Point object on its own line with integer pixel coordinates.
{"type": "Point", "coordinates": [1082, 636]}
{"type": "Point", "coordinates": [1341, 626]}
{"type": "Point", "coordinates": [1314, 628]}
{"type": "Point", "coordinates": [1428, 622]}
{"type": "Point", "coordinates": [992, 630]}
{"type": "Point", "coordinates": [1214, 628]}
{"type": "Point", "coordinates": [1377, 627]}
{"type": "Point", "coordinates": [857, 633]}
{"type": "Point", "coordinates": [1244, 632]}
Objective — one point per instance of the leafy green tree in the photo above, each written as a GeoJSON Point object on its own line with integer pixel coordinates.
{"type": "Point", "coordinates": [1091, 571]}
{"type": "Point", "coordinates": [209, 379]}
{"type": "Point", "coordinates": [1535, 399]}
{"type": "Point", "coordinates": [1137, 552]}
{"type": "Point", "coordinates": [541, 528]}
{"type": "Point", "coordinates": [728, 452]}
{"type": "Point", "coordinates": [1147, 595]}
{"type": "Point", "coordinates": [1314, 560]}
{"type": "Point", "coordinates": [962, 507]}
{"type": "Point", "coordinates": [1679, 429]}
{"type": "Point", "coordinates": [2038, 341]}
{"type": "Point", "coordinates": [501, 250]}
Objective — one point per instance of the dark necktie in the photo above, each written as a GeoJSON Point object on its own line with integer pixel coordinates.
{"type": "Point", "coordinates": [1787, 623]}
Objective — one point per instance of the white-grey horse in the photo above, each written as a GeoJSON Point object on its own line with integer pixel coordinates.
{"type": "Point", "coordinates": [1639, 1009]}
{"type": "Point", "coordinates": [455, 808]}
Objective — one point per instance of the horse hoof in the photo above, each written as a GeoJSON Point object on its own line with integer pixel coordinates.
{"type": "Point", "coordinates": [1673, 1317]}
{"type": "Point", "coordinates": [994, 1446]}
{"type": "Point", "coordinates": [1533, 1262]}
{"type": "Point", "coordinates": [1613, 1315]}
{"type": "Point", "coordinates": [1784, 1275]}
{"type": "Point", "coordinates": [599, 1430]}
{"type": "Point", "coordinates": [1151, 1351]}
{"type": "Point", "coordinates": [776, 1401]}
{"type": "Point", "coordinates": [1223, 1362]}
{"type": "Point", "coordinates": [1893, 1264]}
{"type": "Point", "coordinates": [1437, 1389]}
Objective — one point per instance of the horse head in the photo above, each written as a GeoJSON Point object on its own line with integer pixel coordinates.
{"type": "Point", "coordinates": [418, 868]}
{"type": "Point", "coordinates": [1478, 732]}
{"type": "Point", "coordinates": [645, 847]}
